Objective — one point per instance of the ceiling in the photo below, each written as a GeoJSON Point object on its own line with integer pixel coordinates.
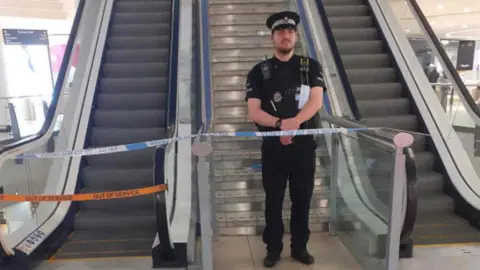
{"type": "Point", "coordinates": [456, 19]}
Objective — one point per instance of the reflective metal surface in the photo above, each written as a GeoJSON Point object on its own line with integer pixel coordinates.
{"type": "Point", "coordinates": [239, 40]}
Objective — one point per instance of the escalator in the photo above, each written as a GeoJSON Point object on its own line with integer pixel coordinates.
{"type": "Point", "coordinates": [239, 40]}
{"type": "Point", "coordinates": [129, 106]}
{"type": "Point", "coordinates": [379, 97]}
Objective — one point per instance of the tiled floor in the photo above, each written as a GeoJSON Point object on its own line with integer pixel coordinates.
{"type": "Point", "coordinates": [247, 252]}
{"type": "Point", "coordinates": [458, 257]}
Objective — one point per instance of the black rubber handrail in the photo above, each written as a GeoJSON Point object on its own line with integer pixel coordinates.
{"type": "Point", "coordinates": [448, 64]}
{"type": "Point", "coordinates": [164, 251]}
{"type": "Point", "coordinates": [57, 91]}
{"type": "Point", "coordinates": [412, 196]}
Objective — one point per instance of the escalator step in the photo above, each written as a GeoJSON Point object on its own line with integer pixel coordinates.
{"type": "Point", "coordinates": [137, 56]}
{"type": "Point", "coordinates": [116, 136]}
{"type": "Point", "coordinates": [142, 6]}
{"type": "Point", "coordinates": [353, 61]}
{"type": "Point", "coordinates": [107, 219]}
{"type": "Point", "coordinates": [372, 75]}
{"type": "Point", "coordinates": [129, 70]}
{"type": "Point", "coordinates": [343, 2]}
{"type": "Point", "coordinates": [138, 101]}
{"type": "Point", "coordinates": [351, 22]}
{"type": "Point", "coordinates": [103, 178]}
{"type": "Point", "coordinates": [384, 107]}
{"type": "Point", "coordinates": [129, 159]}
{"type": "Point", "coordinates": [134, 85]}
{"type": "Point", "coordinates": [129, 118]}
{"type": "Point", "coordinates": [377, 91]}
{"type": "Point", "coordinates": [363, 34]}
{"type": "Point", "coordinates": [430, 182]}
{"type": "Point", "coordinates": [132, 30]}
{"type": "Point", "coordinates": [435, 203]}
{"type": "Point", "coordinates": [346, 10]}
{"type": "Point", "coordinates": [150, 42]}
{"type": "Point", "coordinates": [360, 47]}
{"type": "Point", "coordinates": [141, 17]}
{"type": "Point", "coordinates": [407, 122]}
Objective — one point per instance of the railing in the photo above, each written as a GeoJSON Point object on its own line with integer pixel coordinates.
{"type": "Point", "coordinates": [48, 126]}
{"type": "Point", "coordinates": [163, 250]}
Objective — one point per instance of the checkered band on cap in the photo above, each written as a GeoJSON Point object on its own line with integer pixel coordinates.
{"type": "Point", "coordinates": [283, 21]}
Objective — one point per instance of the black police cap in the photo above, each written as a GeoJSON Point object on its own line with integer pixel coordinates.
{"type": "Point", "coordinates": [283, 20]}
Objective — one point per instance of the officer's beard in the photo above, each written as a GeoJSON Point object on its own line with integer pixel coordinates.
{"type": "Point", "coordinates": [285, 51]}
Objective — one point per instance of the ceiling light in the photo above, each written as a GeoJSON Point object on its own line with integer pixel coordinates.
{"type": "Point", "coordinates": [433, 22]}
{"type": "Point", "coordinates": [466, 10]}
{"type": "Point", "coordinates": [439, 6]}
{"type": "Point", "coordinates": [450, 25]}
{"type": "Point", "coordinates": [408, 30]}
{"type": "Point", "coordinates": [465, 26]}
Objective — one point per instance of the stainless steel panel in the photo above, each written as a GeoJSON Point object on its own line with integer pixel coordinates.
{"type": "Point", "coordinates": [320, 185]}
{"type": "Point", "coordinates": [240, 39]}
{"type": "Point", "coordinates": [244, 19]}
{"type": "Point", "coordinates": [213, 2]}
{"type": "Point", "coordinates": [229, 83]}
{"type": "Point", "coordinates": [234, 127]}
{"type": "Point", "coordinates": [241, 66]}
{"type": "Point", "coordinates": [241, 53]}
{"type": "Point", "coordinates": [245, 205]}
{"type": "Point", "coordinates": [231, 112]}
{"type": "Point", "coordinates": [246, 9]}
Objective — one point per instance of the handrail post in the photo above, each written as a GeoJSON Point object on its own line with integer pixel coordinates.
{"type": "Point", "coordinates": [332, 225]}
{"type": "Point", "coordinates": [396, 206]}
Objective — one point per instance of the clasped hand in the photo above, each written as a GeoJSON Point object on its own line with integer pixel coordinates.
{"type": "Point", "coordinates": [289, 124]}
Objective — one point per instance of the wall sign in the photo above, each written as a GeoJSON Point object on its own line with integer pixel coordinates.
{"type": "Point", "coordinates": [465, 55]}
{"type": "Point", "coordinates": [25, 37]}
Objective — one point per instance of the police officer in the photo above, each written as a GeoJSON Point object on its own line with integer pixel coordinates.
{"type": "Point", "coordinates": [285, 92]}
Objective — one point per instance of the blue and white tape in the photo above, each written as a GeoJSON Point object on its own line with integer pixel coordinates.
{"type": "Point", "coordinates": [156, 143]}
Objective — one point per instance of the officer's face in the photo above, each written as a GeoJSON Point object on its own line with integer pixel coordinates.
{"type": "Point", "coordinates": [284, 40]}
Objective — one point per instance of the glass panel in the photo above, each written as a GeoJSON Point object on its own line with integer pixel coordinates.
{"type": "Point", "coordinates": [362, 175]}
{"type": "Point", "coordinates": [449, 97]}
{"type": "Point", "coordinates": [41, 176]}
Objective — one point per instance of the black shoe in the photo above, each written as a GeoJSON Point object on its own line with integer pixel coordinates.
{"type": "Point", "coordinates": [303, 257]}
{"type": "Point", "coordinates": [271, 259]}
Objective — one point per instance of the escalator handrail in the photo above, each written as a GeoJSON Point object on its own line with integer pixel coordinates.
{"type": "Point", "coordinates": [57, 91]}
{"type": "Point", "coordinates": [205, 68]}
{"type": "Point", "coordinates": [412, 196]}
{"type": "Point", "coordinates": [338, 60]}
{"type": "Point", "coordinates": [446, 60]}
{"type": "Point", "coordinates": [163, 216]}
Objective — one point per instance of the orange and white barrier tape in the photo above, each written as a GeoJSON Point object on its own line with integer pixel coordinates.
{"type": "Point", "coordinates": [109, 195]}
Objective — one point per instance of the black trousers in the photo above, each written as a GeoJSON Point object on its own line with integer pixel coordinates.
{"type": "Point", "coordinates": [295, 163]}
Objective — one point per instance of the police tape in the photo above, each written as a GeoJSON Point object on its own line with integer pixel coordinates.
{"type": "Point", "coordinates": [109, 195]}
{"type": "Point", "coordinates": [161, 142]}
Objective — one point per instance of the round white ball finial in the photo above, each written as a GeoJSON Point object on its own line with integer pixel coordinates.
{"type": "Point", "coordinates": [201, 149]}
{"type": "Point", "coordinates": [403, 140]}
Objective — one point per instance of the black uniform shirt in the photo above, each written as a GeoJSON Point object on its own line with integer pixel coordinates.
{"type": "Point", "coordinates": [278, 92]}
